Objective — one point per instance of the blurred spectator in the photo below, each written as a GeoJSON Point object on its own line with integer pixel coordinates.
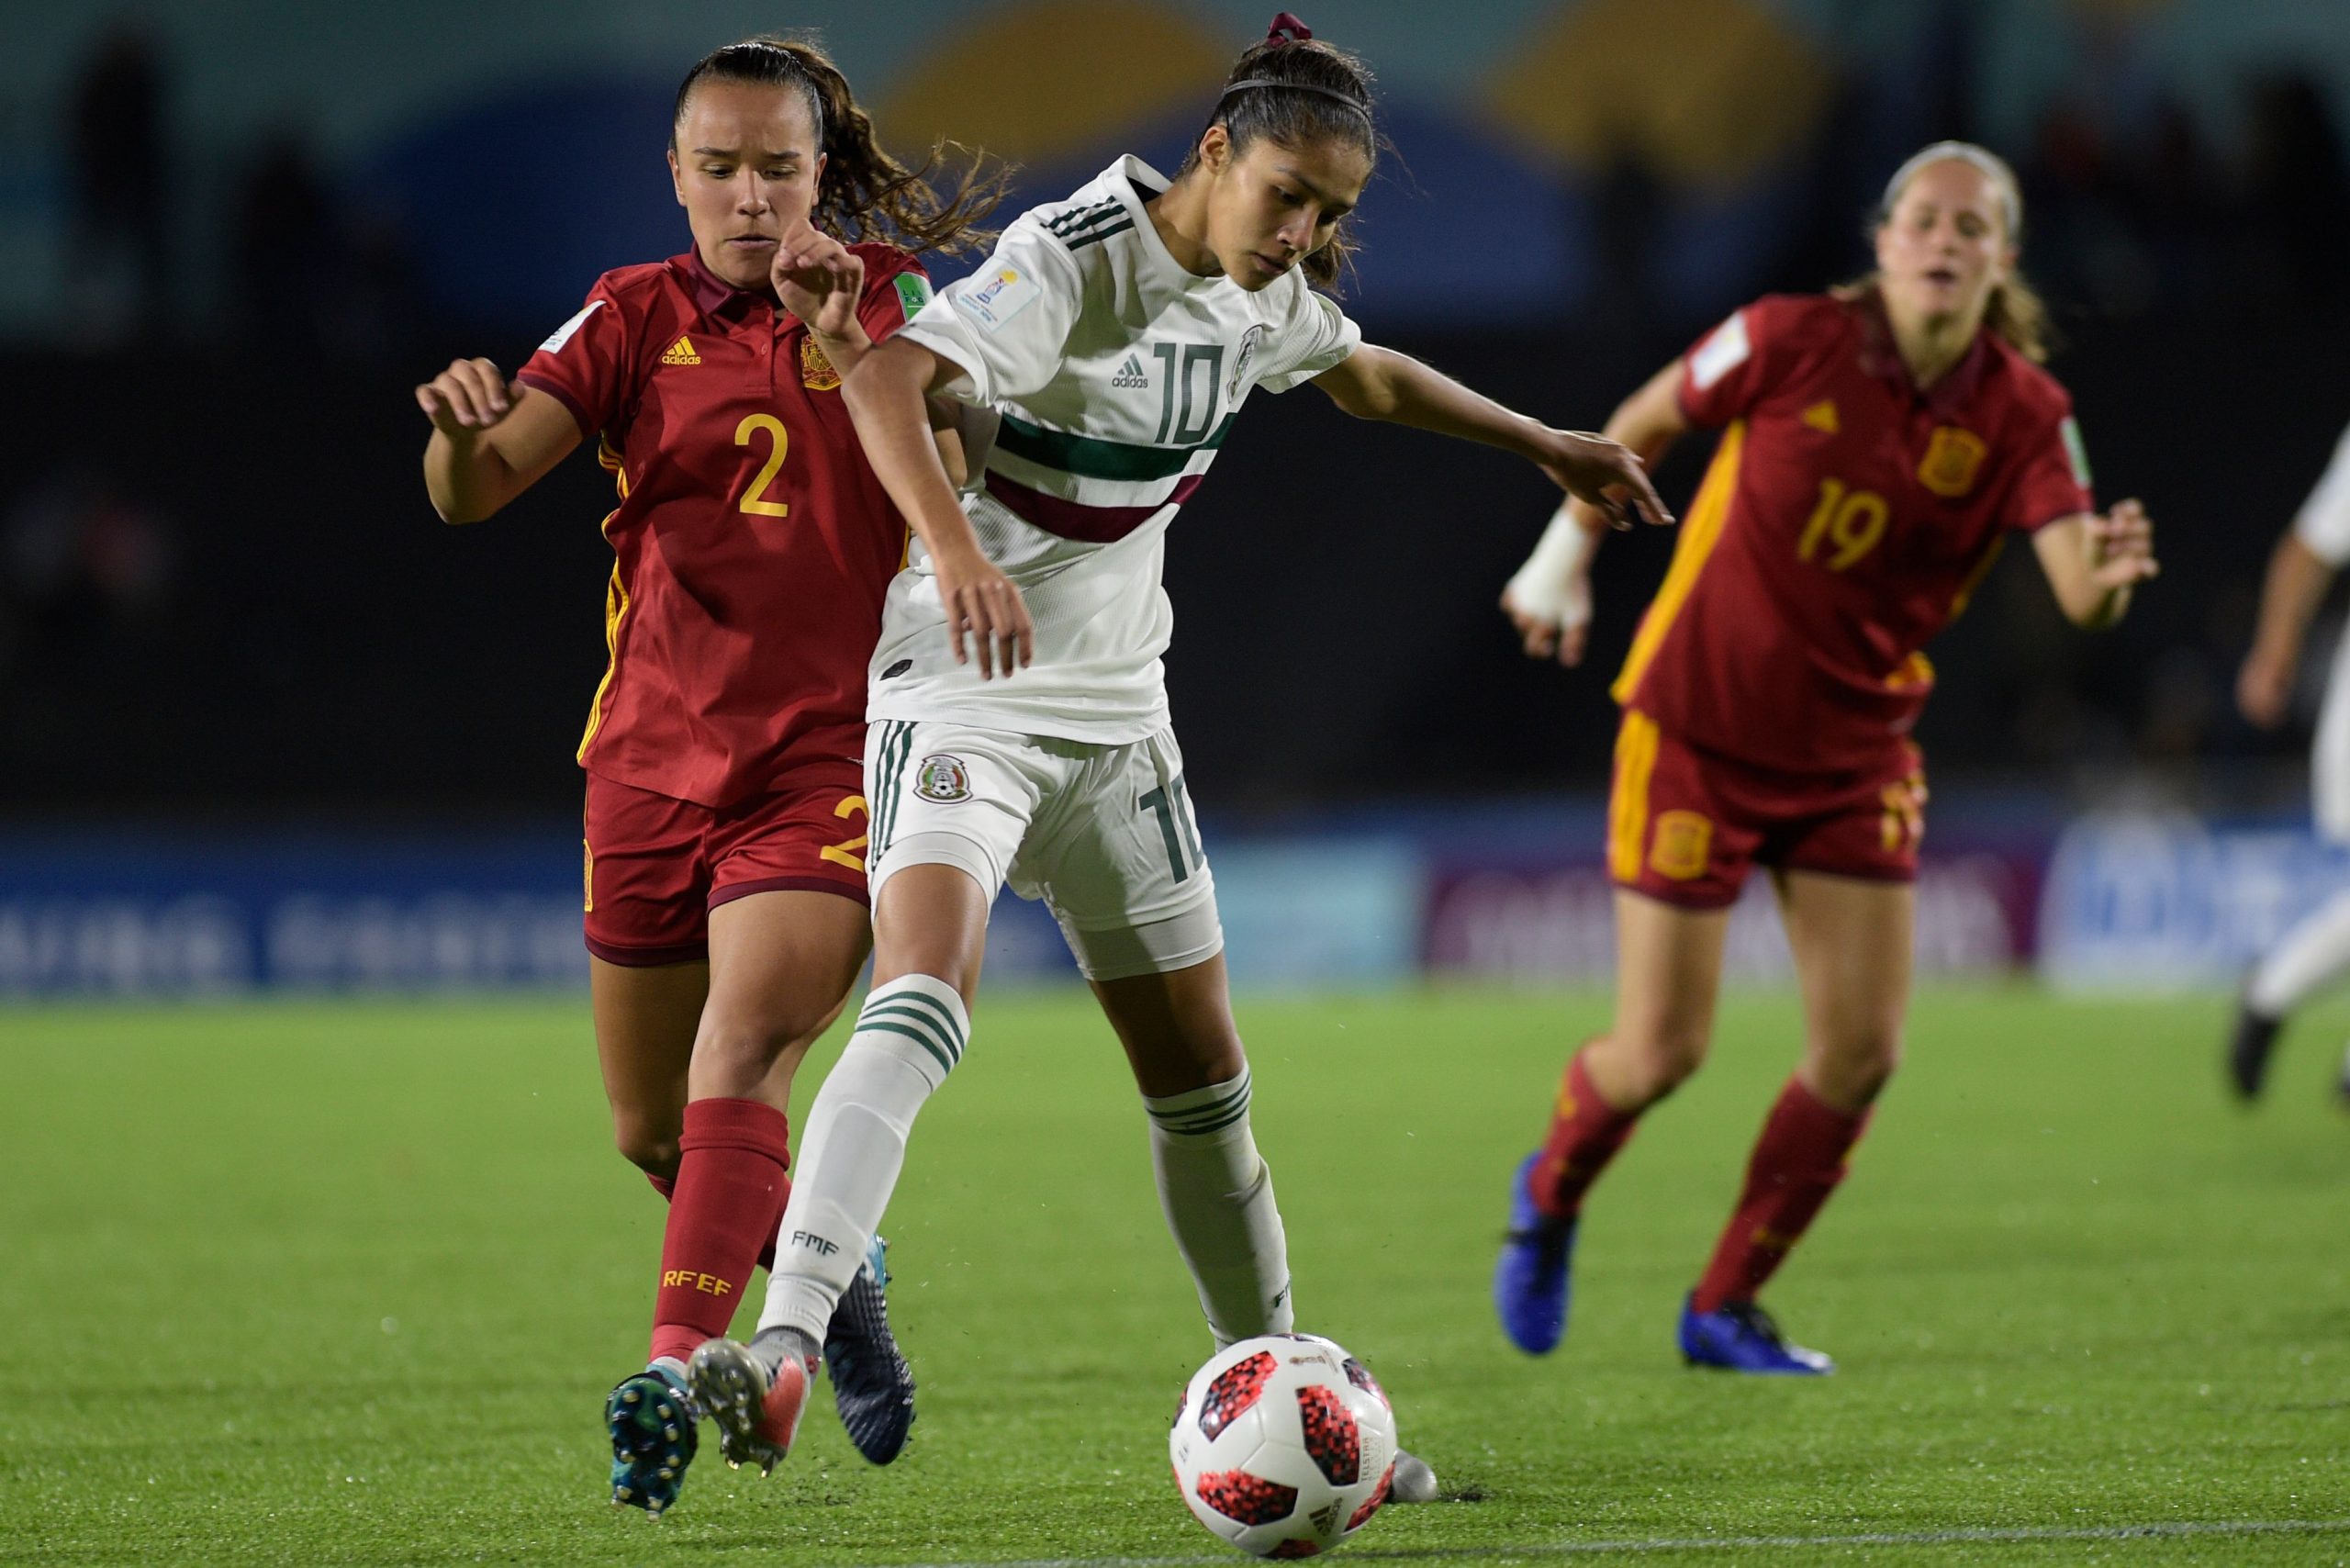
{"type": "Point", "coordinates": [119, 156]}
{"type": "Point", "coordinates": [286, 257]}
{"type": "Point", "coordinates": [2295, 213]}
{"type": "Point", "coordinates": [88, 569]}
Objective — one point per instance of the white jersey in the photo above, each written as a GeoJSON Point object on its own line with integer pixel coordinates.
{"type": "Point", "coordinates": [2323, 525]}
{"type": "Point", "coordinates": [1113, 375]}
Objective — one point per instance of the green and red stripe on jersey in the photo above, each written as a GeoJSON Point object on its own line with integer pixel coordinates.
{"type": "Point", "coordinates": [1070, 459]}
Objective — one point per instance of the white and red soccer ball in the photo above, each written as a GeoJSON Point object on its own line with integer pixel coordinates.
{"type": "Point", "coordinates": [1283, 1445]}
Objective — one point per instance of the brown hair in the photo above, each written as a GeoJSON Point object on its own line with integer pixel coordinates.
{"type": "Point", "coordinates": [1295, 90]}
{"type": "Point", "coordinates": [2015, 310]}
{"type": "Point", "coordinates": [866, 193]}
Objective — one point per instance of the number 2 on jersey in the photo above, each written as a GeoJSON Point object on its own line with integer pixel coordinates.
{"type": "Point", "coordinates": [1851, 525]}
{"type": "Point", "coordinates": [752, 499]}
{"type": "Point", "coordinates": [849, 852]}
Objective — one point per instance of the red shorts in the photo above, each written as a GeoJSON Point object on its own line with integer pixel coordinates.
{"type": "Point", "coordinates": [656, 865]}
{"type": "Point", "coordinates": [1685, 825]}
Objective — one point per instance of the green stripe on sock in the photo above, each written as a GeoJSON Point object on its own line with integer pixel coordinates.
{"type": "Point", "coordinates": [914, 1017]}
{"type": "Point", "coordinates": [1212, 1107]}
{"type": "Point", "coordinates": [945, 1063]}
{"type": "Point", "coordinates": [1241, 1114]}
{"type": "Point", "coordinates": [948, 1026]}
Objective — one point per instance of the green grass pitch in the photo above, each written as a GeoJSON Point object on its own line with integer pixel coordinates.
{"type": "Point", "coordinates": [345, 1283]}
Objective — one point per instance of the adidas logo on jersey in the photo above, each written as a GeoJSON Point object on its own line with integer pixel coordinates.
{"type": "Point", "coordinates": [1131, 374]}
{"type": "Point", "coordinates": [681, 352]}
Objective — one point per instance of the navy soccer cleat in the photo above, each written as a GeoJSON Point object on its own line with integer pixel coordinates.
{"type": "Point", "coordinates": [1531, 1281]}
{"type": "Point", "coordinates": [1740, 1336]}
{"type": "Point", "coordinates": [651, 1419]}
{"type": "Point", "coordinates": [871, 1383]}
{"type": "Point", "coordinates": [2249, 1047]}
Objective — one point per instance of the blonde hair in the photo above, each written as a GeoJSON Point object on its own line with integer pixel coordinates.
{"type": "Point", "coordinates": [2015, 310]}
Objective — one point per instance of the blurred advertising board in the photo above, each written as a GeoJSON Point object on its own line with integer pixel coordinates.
{"type": "Point", "coordinates": [1550, 918]}
{"type": "Point", "coordinates": [2166, 900]}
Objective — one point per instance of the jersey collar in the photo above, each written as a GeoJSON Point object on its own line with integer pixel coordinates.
{"type": "Point", "coordinates": [713, 296]}
{"type": "Point", "coordinates": [1133, 183]}
{"type": "Point", "coordinates": [1881, 358]}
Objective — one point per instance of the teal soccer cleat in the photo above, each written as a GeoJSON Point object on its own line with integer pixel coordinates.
{"type": "Point", "coordinates": [652, 1421]}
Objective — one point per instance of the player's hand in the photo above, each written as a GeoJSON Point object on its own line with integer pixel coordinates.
{"type": "Point", "coordinates": [2264, 689]}
{"type": "Point", "coordinates": [1557, 629]}
{"type": "Point", "coordinates": [1604, 473]}
{"type": "Point", "coordinates": [980, 600]}
{"type": "Point", "coordinates": [2121, 547]}
{"type": "Point", "coordinates": [820, 280]}
{"type": "Point", "coordinates": [468, 398]}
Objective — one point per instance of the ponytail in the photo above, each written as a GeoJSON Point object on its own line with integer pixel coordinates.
{"type": "Point", "coordinates": [1296, 91]}
{"type": "Point", "coordinates": [865, 192]}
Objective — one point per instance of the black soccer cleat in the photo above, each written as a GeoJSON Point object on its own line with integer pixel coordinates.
{"type": "Point", "coordinates": [2249, 1049]}
{"type": "Point", "coordinates": [871, 1383]}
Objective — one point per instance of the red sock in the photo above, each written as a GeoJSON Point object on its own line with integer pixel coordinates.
{"type": "Point", "coordinates": [729, 1198]}
{"type": "Point", "coordinates": [669, 1190]}
{"type": "Point", "coordinates": [1797, 1163]}
{"type": "Point", "coordinates": [1585, 1133]}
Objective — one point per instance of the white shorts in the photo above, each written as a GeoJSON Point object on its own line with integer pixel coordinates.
{"type": "Point", "coordinates": [2330, 754]}
{"type": "Point", "coordinates": [1105, 834]}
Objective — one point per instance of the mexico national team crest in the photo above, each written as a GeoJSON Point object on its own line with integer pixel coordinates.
{"type": "Point", "coordinates": [1952, 458]}
{"type": "Point", "coordinates": [942, 779]}
{"type": "Point", "coordinates": [1251, 341]}
{"type": "Point", "coordinates": [816, 372]}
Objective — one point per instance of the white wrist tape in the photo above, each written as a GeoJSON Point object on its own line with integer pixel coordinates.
{"type": "Point", "coordinates": [1555, 583]}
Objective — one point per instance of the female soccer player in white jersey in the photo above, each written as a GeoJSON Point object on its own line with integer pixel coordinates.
{"type": "Point", "coordinates": [1115, 335]}
{"type": "Point", "coordinates": [2316, 952]}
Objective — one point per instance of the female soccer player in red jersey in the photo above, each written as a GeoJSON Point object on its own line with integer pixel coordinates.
{"type": "Point", "coordinates": [725, 816]}
{"type": "Point", "coordinates": [1879, 444]}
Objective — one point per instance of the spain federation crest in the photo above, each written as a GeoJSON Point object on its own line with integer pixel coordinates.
{"type": "Point", "coordinates": [816, 372]}
{"type": "Point", "coordinates": [1951, 459]}
{"type": "Point", "coordinates": [942, 779]}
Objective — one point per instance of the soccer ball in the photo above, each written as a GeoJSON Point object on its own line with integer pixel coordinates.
{"type": "Point", "coordinates": [1283, 1445]}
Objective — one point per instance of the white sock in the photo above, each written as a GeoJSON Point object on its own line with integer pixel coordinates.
{"type": "Point", "coordinates": [910, 1033]}
{"type": "Point", "coordinates": [1218, 1196]}
{"type": "Point", "coordinates": [2304, 960]}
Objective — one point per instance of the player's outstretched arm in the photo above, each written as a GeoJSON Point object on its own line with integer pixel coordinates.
{"type": "Point", "coordinates": [1549, 600]}
{"type": "Point", "coordinates": [492, 439]}
{"type": "Point", "coordinates": [1373, 382]}
{"type": "Point", "coordinates": [2092, 561]}
{"type": "Point", "coordinates": [885, 394]}
{"type": "Point", "coordinates": [2297, 578]}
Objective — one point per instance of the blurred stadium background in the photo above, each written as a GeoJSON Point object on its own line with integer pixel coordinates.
{"type": "Point", "coordinates": [264, 723]}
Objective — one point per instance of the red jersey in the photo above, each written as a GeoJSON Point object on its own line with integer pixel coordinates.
{"type": "Point", "coordinates": [1845, 519]}
{"type": "Point", "coordinates": [753, 542]}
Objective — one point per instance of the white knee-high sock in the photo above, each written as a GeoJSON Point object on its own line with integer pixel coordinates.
{"type": "Point", "coordinates": [1218, 1196]}
{"type": "Point", "coordinates": [910, 1035]}
{"type": "Point", "coordinates": [2305, 959]}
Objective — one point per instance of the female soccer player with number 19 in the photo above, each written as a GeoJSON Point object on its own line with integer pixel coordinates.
{"type": "Point", "coordinates": [725, 817]}
{"type": "Point", "coordinates": [1117, 334]}
{"type": "Point", "coordinates": [1879, 444]}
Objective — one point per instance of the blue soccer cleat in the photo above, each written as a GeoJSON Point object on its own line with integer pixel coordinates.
{"type": "Point", "coordinates": [652, 1420]}
{"type": "Point", "coordinates": [1740, 1336]}
{"type": "Point", "coordinates": [871, 1383]}
{"type": "Point", "coordinates": [1531, 1281]}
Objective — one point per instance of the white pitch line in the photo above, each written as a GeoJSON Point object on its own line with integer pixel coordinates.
{"type": "Point", "coordinates": [2023, 1535]}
